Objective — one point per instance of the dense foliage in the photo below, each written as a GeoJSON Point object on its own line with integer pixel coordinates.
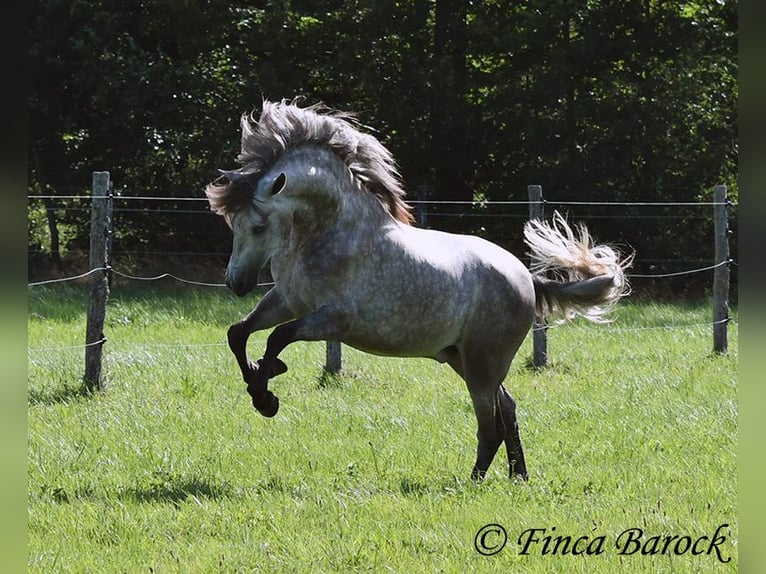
{"type": "Point", "coordinates": [604, 100]}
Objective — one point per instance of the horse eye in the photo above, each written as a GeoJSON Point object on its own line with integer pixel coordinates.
{"type": "Point", "coordinates": [258, 227]}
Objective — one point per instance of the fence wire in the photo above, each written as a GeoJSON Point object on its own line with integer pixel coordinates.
{"type": "Point", "coordinates": [601, 328]}
{"type": "Point", "coordinates": [474, 203]}
{"type": "Point", "coordinates": [606, 328]}
{"type": "Point", "coordinates": [489, 203]}
{"type": "Point", "coordinates": [203, 284]}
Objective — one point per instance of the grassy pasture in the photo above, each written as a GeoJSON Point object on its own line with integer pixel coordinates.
{"type": "Point", "coordinates": [632, 426]}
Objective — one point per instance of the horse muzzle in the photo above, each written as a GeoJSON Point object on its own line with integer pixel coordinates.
{"type": "Point", "coordinates": [238, 282]}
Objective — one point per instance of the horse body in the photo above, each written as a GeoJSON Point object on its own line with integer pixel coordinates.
{"type": "Point", "coordinates": [438, 282]}
{"type": "Point", "coordinates": [321, 201]}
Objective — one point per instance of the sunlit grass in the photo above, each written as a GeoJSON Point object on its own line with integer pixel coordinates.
{"type": "Point", "coordinates": [631, 425]}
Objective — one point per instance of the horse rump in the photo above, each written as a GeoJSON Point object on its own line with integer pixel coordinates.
{"type": "Point", "coordinates": [572, 276]}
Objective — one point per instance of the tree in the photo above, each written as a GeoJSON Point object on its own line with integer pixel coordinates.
{"type": "Point", "coordinates": [134, 89]}
{"type": "Point", "coordinates": [603, 100]}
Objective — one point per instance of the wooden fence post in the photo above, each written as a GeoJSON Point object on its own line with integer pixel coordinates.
{"type": "Point", "coordinates": [540, 325]}
{"type": "Point", "coordinates": [721, 272]}
{"type": "Point", "coordinates": [100, 230]}
{"type": "Point", "coordinates": [333, 357]}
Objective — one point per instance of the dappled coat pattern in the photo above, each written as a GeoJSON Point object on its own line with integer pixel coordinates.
{"type": "Point", "coordinates": [323, 204]}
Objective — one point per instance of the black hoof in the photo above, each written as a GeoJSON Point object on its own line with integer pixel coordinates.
{"type": "Point", "coordinates": [266, 403]}
{"type": "Point", "coordinates": [277, 367]}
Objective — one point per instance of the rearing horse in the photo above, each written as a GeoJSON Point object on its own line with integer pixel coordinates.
{"type": "Point", "coordinates": [323, 202]}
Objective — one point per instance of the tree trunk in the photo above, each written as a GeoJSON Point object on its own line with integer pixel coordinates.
{"type": "Point", "coordinates": [53, 229]}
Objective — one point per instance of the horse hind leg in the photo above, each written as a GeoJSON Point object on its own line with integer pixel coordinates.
{"type": "Point", "coordinates": [489, 435]}
{"type": "Point", "coordinates": [507, 423]}
{"type": "Point", "coordinates": [495, 412]}
{"type": "Point", "coordinates": [496, 417]}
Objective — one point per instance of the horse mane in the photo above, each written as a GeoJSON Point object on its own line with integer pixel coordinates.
{"type": "Point", "coordinates": [284, 125]}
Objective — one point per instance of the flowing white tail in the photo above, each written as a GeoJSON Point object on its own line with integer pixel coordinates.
{"type": "Point", "coordinates": [582, 279]}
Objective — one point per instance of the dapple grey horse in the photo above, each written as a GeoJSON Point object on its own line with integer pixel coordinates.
{"type": "Point", "coordinates": [324, 203]}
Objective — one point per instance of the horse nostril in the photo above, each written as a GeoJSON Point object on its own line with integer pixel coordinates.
{"type": "Point", "coordinates": [237, 285]}
{"type": "Point", "coordinates": [231, 282]}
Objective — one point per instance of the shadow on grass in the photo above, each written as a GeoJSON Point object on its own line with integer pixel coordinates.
{"type": "Point", "coordinates": [157, 489]}
{"type": "Point", "coordinates": [329, 380]}
{"type": "Point", "coordinates": [49, 395]}
{"type": "Point", "coordinates": [551, 366]}
{"type": "Point", "coordinates": [345, 378]}
{"type": "Point", "coordinates": [176, 491]}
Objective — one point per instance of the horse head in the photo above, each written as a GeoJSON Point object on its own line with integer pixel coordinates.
{"type": "Point", "coordinates": [254, 225]}
{"type": "Point", "coordinates": [323, 160]}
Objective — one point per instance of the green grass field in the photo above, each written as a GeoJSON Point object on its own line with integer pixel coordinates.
{"type": "Point", "coordinates": [632, 426]}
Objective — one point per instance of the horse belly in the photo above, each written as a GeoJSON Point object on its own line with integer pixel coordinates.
{"type": "Point", "coordinates": [417, 340]}
{"type": "Point", "coordinates": [410, 344]}
{"type": "Point", "coordinates": [417, 316]}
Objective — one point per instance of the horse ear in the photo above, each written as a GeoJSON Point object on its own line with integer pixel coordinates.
{"type": "Point", "coordinates": [251, 179]}
{"type": "Point", "coordinates": [232, 176]}
{"type": "Point", "coordinates": [279, 184]}
{"type": "Point", "coordinates": [237, 177]}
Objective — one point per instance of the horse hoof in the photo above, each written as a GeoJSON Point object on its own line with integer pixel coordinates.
{"type": "Point", "coordinates": [278, 367]}
{"type": "Point", "coordinates": [267, 404]}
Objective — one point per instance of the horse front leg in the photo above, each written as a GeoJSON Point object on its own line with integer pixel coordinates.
{"type": "Point", "coordinates": [328, 323]}
{"type": "Point", "coordinates": [270, 311]}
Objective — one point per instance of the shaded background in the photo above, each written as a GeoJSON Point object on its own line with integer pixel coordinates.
{"type": "Point", "coordinates": [603, 101]}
